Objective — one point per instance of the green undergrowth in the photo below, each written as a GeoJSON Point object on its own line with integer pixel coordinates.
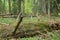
{"type": "Point", "coordinates": [54, 35]}
{"type": "Point", "coordinates": [29, 24]}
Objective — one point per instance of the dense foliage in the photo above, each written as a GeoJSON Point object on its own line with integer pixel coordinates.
{"type": "Point", "coordinates": [30, 7]}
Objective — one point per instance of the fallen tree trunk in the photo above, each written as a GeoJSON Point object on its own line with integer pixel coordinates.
{"type": "Point", "coordinates": [8, 16]}
{"type": "Point", "coordinates": [19, 20]}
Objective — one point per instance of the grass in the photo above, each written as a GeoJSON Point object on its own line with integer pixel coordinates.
{"type": "Point", "coordinates": [27, 19]}
{"type": "Point", "coordinates": [33, 23]}
{"type": "Point", "coordinates": [49, 36]}
{"type": "Point", "coordinates": [7, 20]}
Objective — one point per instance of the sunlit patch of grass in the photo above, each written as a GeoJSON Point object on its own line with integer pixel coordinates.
{"type": "Point", "coordinates": [7, 20]}
{"type": "Point", "coordinates": [27, 20]}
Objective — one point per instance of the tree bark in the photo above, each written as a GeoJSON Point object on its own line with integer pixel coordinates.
{"type": "Point", "coordinates": [49, 8]}
{"type": "Point", "coordinates": [9, 3]}
{"type": "Point", "coordinates": [34, 7]}
{"type": "Point", "coordinates": [19, 18]}
{"type": "Point", "coordinates": [23, 8]}
{"type": "Point", "coordinates": [55, 9]}
{"type": "Point", "coordinates": [3, 7]}
{"type": "Point", "coordinates": [43, 7]}
{"type": "Point", "coordinates": [18, 23]}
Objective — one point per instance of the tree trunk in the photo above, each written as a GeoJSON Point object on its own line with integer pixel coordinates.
{"type": "Point", "coordinates": [55, 9]}
{"type": "Point", "coordinates": [18, 23]}
{"type": "Point", "coordinates": [49, 8]}
{"type": "Point", "coordinates": [4, 7]}
{"type": "Point", "coordinates": [43, 7]}
{"type": "Point", "coordinates": [23, 8]}
{"type": "Point", "coordinates": [9, 3]}
{"type": "Point", "coordinates": [19, 18]}
{"type": "Point", "coordinates": [34, 7]}
{"type": "Point", "coordinates": [1, 7]}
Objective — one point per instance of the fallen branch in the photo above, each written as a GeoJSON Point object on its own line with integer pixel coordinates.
{"type": "Point", "coordinates": [19, 20]}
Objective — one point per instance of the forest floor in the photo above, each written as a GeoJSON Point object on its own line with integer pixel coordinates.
{"type": "Point", "coordinates": [30, 25]}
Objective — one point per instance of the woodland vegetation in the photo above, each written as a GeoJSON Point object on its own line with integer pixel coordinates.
{"type": "Point", "coordinates": [29, 19]}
